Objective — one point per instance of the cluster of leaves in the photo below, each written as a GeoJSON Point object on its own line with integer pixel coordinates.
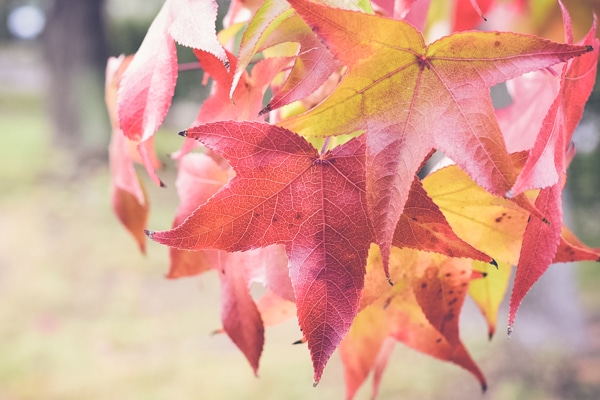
{"type": "Point", "coordinates": [348, 238]}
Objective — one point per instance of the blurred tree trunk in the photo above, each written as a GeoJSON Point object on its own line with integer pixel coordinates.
{"type": "Point", "coordinates": [76, 51]}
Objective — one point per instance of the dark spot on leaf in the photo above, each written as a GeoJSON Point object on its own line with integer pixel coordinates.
{"type": "Point", "coordinates": [496, 43]}
{"type": "Point", "coordinates": [274, 219]}
{"type": "Point", "coordinates": [423, 285]}
{"type": "Point", "coordinates": [451, 291]}
{"type": "Point", "coordinates": [451, 302]}
{"type": "Point", "coordinates": [464, 284]}
{"type": "Point", "coordinates": [439, 340]}
{"type": "Point", "coordinates": [463, 272]}
{"type": "Point", "coordinates": [448, 274]}
{"type": "Point", "coordinates": [415, 219]}
{"type": "Point", "coordinates": [298, 216]}
{"type": "Point", "coordinates": [256, 214]}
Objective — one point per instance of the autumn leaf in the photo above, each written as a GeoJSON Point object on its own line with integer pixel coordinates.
{"type": "Point", "coordinates": [423, 226]}
{"type": "Point", "coordinates": [546, 163]}
{"type": "Point", "coordinates": [198, 178]}
{"type": "Point", "coordinates": [571, 249]}
{"type": "Point", "coordinates": [194, 25]}
{"type": "Point", "coordinates": [148, 86]}
{"type": "Point", "coordinates": [410, 98]}
{"type": "Point", "coordinates": [275, 23]}
{"type": "Point", "coordinates": [489, 291]}
{"type": "Point", "coordinates": [540, 243]}
{"type": "Point", "coordinates": [247, 96]}
{"type": "Point", "coordinates": [149, 83]}
{"type": "Point", "coordinates": [489, 223]}
{"type": "Point", "coordinates": [421, 310]}
{"type": "Point", "coordinates": [285, 192]}
{"type": "Point", "coordinates": [468, 14]}
{"type": "Point", "coordinates": [241, 318]}
{"type": "Point", "coordinates": [361, 347]}
{"type": "Point", "coordinates": [128, 196]}
{"type": "Point", "coordinates": [546, 167]}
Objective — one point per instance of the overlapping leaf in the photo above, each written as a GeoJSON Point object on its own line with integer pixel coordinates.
{"type": "Point", "coordinates": [128, 197]}
{"type": "Point", "coordinates": [149, 83]}
{"type": "Point", "coordinates": [421, 311]}
{"type": "Point", "coordinates": [286, 193]}
{"type": "Point", "coordinates": [410, 98]}
{"type": "Point", "coordinates": [546, 166]}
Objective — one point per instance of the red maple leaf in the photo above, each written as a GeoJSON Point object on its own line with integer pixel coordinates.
{"type": "Point", "coordinates": [285, 192]}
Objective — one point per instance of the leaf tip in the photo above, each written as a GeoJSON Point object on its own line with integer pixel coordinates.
{"type": "Point", "coordinates": [315, 383]}
{"type": "Point", "coordinates": [265, 110]}
{"type": "Point", "coordinates": [183, 133]}
{"type": "Point", "coordinates": [494, 263]}
{"type": "Point", "coordinates": [162, 184]}
{"type": "Point", "coordinates": [490, 334]}
{"type": "Point", "coordinates": [483, 387]}
{"type": "Point", "coordinates": [510, 194]}
{"type": "Point", "coordinates": [589, 48]}
{"type": "Point", "coordinates": [389, 280]}
{"type": "Point", "coordinates": [149, 233]}
{"type": "Point", "coordinates": [300, 341]}
{"type": "Point", "coordinates": [509, 331]}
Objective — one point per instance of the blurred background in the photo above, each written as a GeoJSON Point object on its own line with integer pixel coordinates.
{"type": "Point", "coordinates": [84, 315]}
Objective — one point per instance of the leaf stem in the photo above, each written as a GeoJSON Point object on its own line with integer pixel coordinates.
{"type": "Point", "coordinates": [325, 144]}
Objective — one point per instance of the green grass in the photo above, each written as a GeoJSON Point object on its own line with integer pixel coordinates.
{"type": "Point", "coordinates": [84, 316]}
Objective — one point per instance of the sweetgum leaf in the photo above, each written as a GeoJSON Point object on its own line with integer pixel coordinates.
{"type": "Point", "coordinates": [241, 318]}
{"type": "Point", "coordinates": [422, 226]}
{"type": "Point", "coordinates": [247, 96]}
{"type": "Point", "coordinates": [547, 162]}
{"type": "Point", "coordinates": [128, 197]}
{"type": "Point", "coordinates": [572, 249]}
{"type": "Point", "coordinates": [311, 68]}
{"type": "Point", "coordinates": [489, 223]}
{"type": "Point", "coordinates": [285, 192]}
{"type": "Point", "coordinates": [360, 348]}
{"type": "Point", "coordinates": [488, 292]}
{"type": "Point", "coordinates": [198, 178]}
{"type": "Point", "coordinates": [193, 25]}
{"type": "Point", "coordinates": [433, 329]}
{"type": "Point", "coordinates": [540, 244]}
{"type": "Point", "coordinates": [148, 86]}
{"type": "Point", "coordinates": [546, 165]}
{"type": "Point", "coordinates": [410, 97]}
